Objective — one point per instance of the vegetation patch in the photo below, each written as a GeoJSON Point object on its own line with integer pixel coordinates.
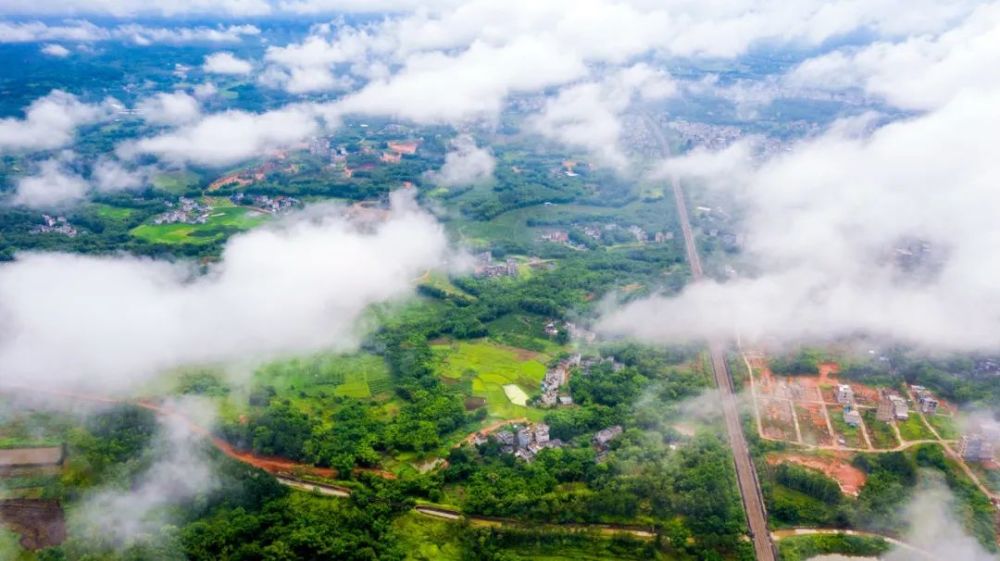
{"type": "Point", "coordinates": [944, 425]}
{"type": "Point", "coordinates": [914, 428]}
{"type": "Point", "coordinates": [800, 548]}
{"type": "Point", "coordinates": [490, 367]}
{"type": "Point", "coordinates": [880, 432]}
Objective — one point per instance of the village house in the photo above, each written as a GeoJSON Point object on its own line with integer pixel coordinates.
{"type": "Point", "coordinates": [55, 225]}
{"type": "Point", "coordinates": [527, 442]}
{"type": "Point", "coordinates": [506, 440]}
{"type": "Point", "coordinates": [188, 211]}
{"type": "Point", "coordinates": [556, 236]}
{"type": "Point", "coordinates": [525, 436]}
{"type": "Point", "coordinates": [606, 435]}
{"type": "Point", "coordinates": [555, 378]}
{"type": "Point", "coordinates": [925, 400]}
{"type": "Point", "coordinates": [976, 448]}
{"type": "Point", "coordinates": [845, 395]}
{"type": "Point", "coordinates": [486, 268]}
{"type": "Point", "coordinates": [891, 406]}
{"type": "Point", "coordinates": [639, 233]}
{"type": "Point", "coordinates": [391, 157]}
{"type": "Point", "coordinates": [852, 417]}
{"type": "Point", "coordinates": [899, 408]}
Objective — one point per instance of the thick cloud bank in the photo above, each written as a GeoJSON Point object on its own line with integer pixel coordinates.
{"type": "Point", "coordinates": [465, 163]}
{"type": "Point", "coordinates": [299, 286]}
{"type": "Point", "coordinates": [227, 138]}
{"type": "Point", "coordinates": [50, 122]}
{"type": "Point", "coordinates": [892, 233]}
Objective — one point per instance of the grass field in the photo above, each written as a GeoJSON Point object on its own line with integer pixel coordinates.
{"type": "Point", "coordinates": [514, 225]}
{"type": "Point", "coordinates": [945, 426]}
{"type": "Point", "coordinates": [439, 281]}
{"type": "Point", "coordinates": [914, 428]}
{"type": "Point", "coordinates": [116, 213]}
{"type": "Point", "coordinates": [427, 539]}
{"type": "Point", "coordinates": [308, 381]}
{"type": "Point", "coordinates": [852, 435]}
{"type": "Point", "coordinates": [524, 331]}
{"type": "Point", "coordinates": [881, 433]}
{"type": "Point", "coordinates": [176, 181]}
{"type": "Point", "coordinates": [223, 221]}
{"type": "Point", "coordinates": [489, 367]}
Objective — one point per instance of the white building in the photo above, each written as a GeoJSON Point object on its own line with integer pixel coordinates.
{"type": "Point", "coordinates": [845, 395]}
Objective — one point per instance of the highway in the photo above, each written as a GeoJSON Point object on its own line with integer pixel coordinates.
{"type": "Point", "coordinates": [746, 475]}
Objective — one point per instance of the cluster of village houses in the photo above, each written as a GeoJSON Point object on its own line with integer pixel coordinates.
{"type": "Point", "coordinates": [555, 380]}
{"type": "Point", "coordinates": [270, 205]}
{"type": "Point", "coordinates": [487, 268]}
{"type": "Point", "coordinates": [55, 225]}
{"type": "Point", "coordinates": [526, 441]}
{"type": "Point", "coordinates": [596, 232]}
{"type": "Point", "coordinates": [975, 446]}
{"type": "Point", "coordinates": [555, 390]}
{"type": "Point", "coordinates": [979, 443]}
{"type": "Point", "coordinates": [891, 406]}
{"type": "Point", "coordinates": [187, 211]}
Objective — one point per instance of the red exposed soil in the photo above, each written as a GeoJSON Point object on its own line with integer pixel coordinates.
{"type": "Point", "coordinates": [270, 464]}
{"type": "Point", "coordinates": [850, 478]}
{"type": "Point", "coordinates": [493, 427]}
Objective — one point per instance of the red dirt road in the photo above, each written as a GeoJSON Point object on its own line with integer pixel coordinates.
{"type": "Point", "coordinates": [270, 464]}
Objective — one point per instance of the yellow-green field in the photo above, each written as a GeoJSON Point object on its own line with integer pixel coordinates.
{"type": "Point", "coordinates": [490, 366]}
{"type": "Point", "coordinates": [223, 221]}
{"type": "Point", "coordinates": [358, 375]}
{"type": "Point", "coordinates": [176, 181]}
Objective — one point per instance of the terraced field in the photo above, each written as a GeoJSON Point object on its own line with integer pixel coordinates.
{"type": "Point", "coordinates": [488, 367]}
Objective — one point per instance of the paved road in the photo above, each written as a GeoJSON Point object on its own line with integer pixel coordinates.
{"type": "Point", "coordinates": [746, 475]}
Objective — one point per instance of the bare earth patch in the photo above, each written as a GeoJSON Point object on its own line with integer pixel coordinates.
{"type": "Point", "coordinates": [850, 478]}
{"type": "Point", "coordinates": [515, 394]}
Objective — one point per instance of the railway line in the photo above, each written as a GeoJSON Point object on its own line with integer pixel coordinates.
{"type": "Point", "coordinates": [746, 475]}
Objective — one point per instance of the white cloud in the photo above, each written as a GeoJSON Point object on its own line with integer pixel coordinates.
{"type": "Point", "coordinates": [55, 50]}
{"type": "Point", "coordinates": [922, 72]}
{"type": "Point", "coordinates": [828, 228]}
{"type": "Point", "coordinates": [226, 63]}
{"type": "Point", "coordinates": [308, 66]}
{"type": "Point", "coordinates": [226, 138]}
{"type": "Point", "coordinates": [465, 164]}
{"type": "Point", "coordinates": [55, 185]}
{"type": "Point", "coordinates": [174, 108]}
{"type": "Point", "coordinates": [109, 174]}
{"type": "Point", "coordinates": [50, 122]}
{"type": "Point", "coordinates": [478, 80]}
{"type": "Point", "coordinates": [205, 90]}
{"type": "Point", "coordinates": [131, 8]}
{"type": "Point", "coordinates": [298, 286]}
{"type": "Point", "coordinates": [86, 32]}
{"type": "Point", "coordinates": [588, 115]}
{"type": "Point", "coordinates": [143, 35]}
{"type": "Point", "coordinates": [28, 32]}
{"type": "Point", "coordinates": [935, 530]}
{"type": "Point", "coordinates": [180, 470]}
